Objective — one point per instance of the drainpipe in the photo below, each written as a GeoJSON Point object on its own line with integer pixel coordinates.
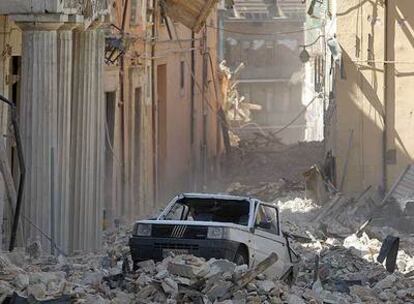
{"type": "Point", "coordinates": [385, 133]}
{"type": "Point", "coordinates": [22, 168]}
{"type": "Point", "coordinates": [122, 109]}
{"type": "Point", "coordinates": [192, 112]}
{"type": "Point", "coordinates": [154, 106]}
{"type": "Point", "coordinates": [221, 35]}
{"type": "Point", "coordinates": [204, 108]}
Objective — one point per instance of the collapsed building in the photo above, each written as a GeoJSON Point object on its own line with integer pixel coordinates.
{"type": "Point", "coordinates": [266, 37]}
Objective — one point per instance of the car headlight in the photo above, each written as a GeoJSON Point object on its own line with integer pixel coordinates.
{"type": "Point", "coordinates": [215, 233]}
{"type": "Point", "coordinates": [143, 229]}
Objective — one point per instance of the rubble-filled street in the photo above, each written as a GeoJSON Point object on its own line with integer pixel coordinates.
{"type": "Point", "coordinates": [333, 269]}
{"type": "Point", "coordinates": [338, 264]}
{"type": "Point", "coordinates": [339, 252]}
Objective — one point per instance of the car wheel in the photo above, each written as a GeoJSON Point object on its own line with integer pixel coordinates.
{"type": "Point", "coordinates": [241, 257]}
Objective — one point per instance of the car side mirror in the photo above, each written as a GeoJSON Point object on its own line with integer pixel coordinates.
{"type": "Point", "coordinates": [264, 225]}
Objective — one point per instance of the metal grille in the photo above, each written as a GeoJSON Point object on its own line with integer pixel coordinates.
{"type": "Point", "coordinates": [179, 231]}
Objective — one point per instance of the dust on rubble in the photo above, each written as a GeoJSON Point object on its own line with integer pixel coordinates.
{"type": "Point", "coordinates": [259, 160]}
{"type": "Point", "coordinates": [334, 269]}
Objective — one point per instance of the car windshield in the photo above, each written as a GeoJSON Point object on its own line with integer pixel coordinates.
{"type": "Point", "coordinates": [210, 210]}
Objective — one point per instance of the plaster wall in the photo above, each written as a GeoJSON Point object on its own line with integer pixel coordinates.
{"type": "Point", "coordinates": [360, 106]}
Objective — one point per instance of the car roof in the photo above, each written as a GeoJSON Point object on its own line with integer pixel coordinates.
{"type": "Point", "coordinates": [216, 196]}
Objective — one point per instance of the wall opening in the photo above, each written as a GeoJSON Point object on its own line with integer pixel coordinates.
{"type": "Point", "coordinates": [162, 130]}
{"type": "Point", "coordinates": [15, 68]}
{"type": "Point", "coordinates": [110, 100]}
{"type": "Point", "coordinates": [137, 144]}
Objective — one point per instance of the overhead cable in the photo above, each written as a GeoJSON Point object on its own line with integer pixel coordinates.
{"type": "Point", "coordinates": [299, 115]}
{"type": "Point", "coordinates": [266, 34]}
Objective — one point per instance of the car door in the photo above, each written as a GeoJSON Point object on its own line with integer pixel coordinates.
{"type": "Point", "coordinates": [268, 238]}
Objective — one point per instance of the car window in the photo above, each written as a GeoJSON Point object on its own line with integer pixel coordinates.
{"type": "Point", "coordinates": [210, 210]}
{"type": "Point", "coordinates": [267, 219]}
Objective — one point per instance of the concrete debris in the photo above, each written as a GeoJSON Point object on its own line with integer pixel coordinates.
{"type": "Point", "coordinates": [265, 286]}
{"type": "Point", "coordinates": [347, 270]}
{"type": "Point", "coordinates": [34, 249]}
{"type": "Point", "coordinates": [262, 163]}
{"type": "Point", "coordinates": [147, 266]}
{"type": "Point", "coordinates": [184, 279]}
{"type": "Point", "coordinates": [170, 286]}
{"type": "Point", "coordinates": [265, 191]}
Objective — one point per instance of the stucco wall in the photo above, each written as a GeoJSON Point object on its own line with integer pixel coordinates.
{"type": "Point", "coordinates": [132, 155]}
{"type": "Point", "coordinates": [183, 170]}
{"type": "Point", "coordinates": [400, 106]}
{"type": "Point", "coordinates": [360, 106]}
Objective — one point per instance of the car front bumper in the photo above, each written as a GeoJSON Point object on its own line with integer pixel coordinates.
{"type": "Point", "coordinates": [147, 248]}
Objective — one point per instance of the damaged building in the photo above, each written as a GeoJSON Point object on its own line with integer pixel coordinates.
{"type": "Point", "coordinates": [372, 104]}
{"type": "Point", "coordinates": [277, 130]}
{"type": "Point", "coordinates": [266, 37]}
{"type": "Point", "coordinates": [117, 107]}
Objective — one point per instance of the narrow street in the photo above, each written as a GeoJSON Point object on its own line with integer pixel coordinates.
{"type": "Point", "coordinates": [337, 264]}
{"type": "Point", "coordinates": [206, 151]}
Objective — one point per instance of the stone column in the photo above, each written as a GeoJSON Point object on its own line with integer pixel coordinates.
{"type": "Point", "coordinates": [100, 138]}
{"type": "Point", "coordinates": [64, 101]}
{"type": "Point", "coordinates": [87, 139]}
{"type": "Point", "coordinates": [38, 120]}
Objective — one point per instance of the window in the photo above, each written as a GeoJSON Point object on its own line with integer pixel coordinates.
{"type": "Point", "coordinates": [370, 50]}
{"type": "Point", "coordinates": [357, 46]}
{"type": "Point", "coordinates": [110, 98]}
{"type": "Point", "coordinates": [319, 73]}
{"type": "Point", "coordinates": [137, 141]}
{"type": "Point", "coordinates": [267, 219]}
{"type": "Point", "coordinates": [134, 12]}
{"type": "Point", "coordinates": [182, 75]}
{"type": "Point", "coordinates": [270, 53]}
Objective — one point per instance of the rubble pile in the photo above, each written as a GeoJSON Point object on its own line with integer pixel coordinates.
{"type": "Point", "coordinates": [350, 267]}
{"type": "Point", "coordinates": [30, 275]}
{"type": "Point", "coordinates": [345, 273]}
{"type": "Point", "coordinates": [346, 263]}
{"type": "Point", "coordinates": [266, 191]}
{"type": "Point", "coordinates": [179, 279]}
{"type": "Point", "coordinates": [250, 165]}
{"type": "Point", "coordinates": [337, 266]}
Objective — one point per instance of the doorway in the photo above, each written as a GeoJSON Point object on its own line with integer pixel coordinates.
{"type": "Point", "coordinates": [162, 131]}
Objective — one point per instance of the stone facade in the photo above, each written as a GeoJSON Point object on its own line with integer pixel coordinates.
{"type": "Point", "coordinates": [56, 79]}
{"type": "Point", "coordinates": [91, 127]}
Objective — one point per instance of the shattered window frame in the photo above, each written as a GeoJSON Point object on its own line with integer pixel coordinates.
{"type": "Point", "coordinates": [190, 214]}
{"type": "Point", "coordinates": [262, 209]}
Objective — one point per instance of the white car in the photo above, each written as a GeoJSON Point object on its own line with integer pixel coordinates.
{"type": "Point", "coordinates": [240, 229]}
